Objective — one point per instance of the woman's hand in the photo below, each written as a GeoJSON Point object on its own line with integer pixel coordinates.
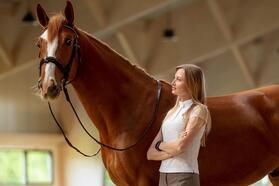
{"type": "Point", "coordinates": [171, 147]}
{"type": "Point", "coordinates": [174, 147]}
{"type": "Point", "coordinates": [153, 153]}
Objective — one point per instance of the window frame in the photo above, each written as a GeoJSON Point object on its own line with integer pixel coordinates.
{"type": "Point", "coordinates": [25, 152]}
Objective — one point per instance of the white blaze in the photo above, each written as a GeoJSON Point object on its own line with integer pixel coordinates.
{"type": "Point", "coordinates": [51, 49]}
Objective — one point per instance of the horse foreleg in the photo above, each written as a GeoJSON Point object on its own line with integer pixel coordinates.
{"type": "Point", "coordinates": [274, 177]}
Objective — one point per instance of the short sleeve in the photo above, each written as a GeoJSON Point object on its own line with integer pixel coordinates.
{"type": "Point", "coordinates": [199, 111]}
{"type": "Point", "coordinates": [198, 117]}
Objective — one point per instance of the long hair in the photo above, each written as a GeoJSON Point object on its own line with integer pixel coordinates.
{"type": "Point", "coordinates": [195, 82]}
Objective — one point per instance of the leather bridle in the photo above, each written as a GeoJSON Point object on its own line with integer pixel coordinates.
{"type": "Point", "coordinates": [65, 70]}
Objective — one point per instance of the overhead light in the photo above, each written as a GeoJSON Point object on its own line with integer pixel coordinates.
{"type": "Point", "coordinates": [28, 17]}
{"type": "Point", "coordinates": [169, 32]}
{"type": "Point", "coordinates": [169, 35]}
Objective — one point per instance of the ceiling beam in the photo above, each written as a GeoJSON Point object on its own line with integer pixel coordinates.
{"type": "Point", "coordinates": [243, 65]}
{"type": "Point", "coordinates": [196, 60]}
{"type": "Point", "coordinates": [218, 51]}
{"type": "Point", "coordinates": [155, 37]}
{"type": "Point", "coordinates": [208, 55]}
{"type": "Point", "coordinates": [223, 25]}
{"type": "Point", "coordinates": [18, 68]}
{"type": "Point", "coordinates": [99, 15]}
{"type": "Point", "coordinates": [97, 11]}
{"type": "Point", "coordinates": [219, 17]}
{"type": "Point", "coordinates": [20, 41]}
{"type": "Point", "coordinates": [5, 55]}
{"type": "Point", "coordinates": [238, 42]}
{"type": "Point", "coordinates": [269, 46]}
{"type": "Point", "coordinates": [124, 16]}
{"type": "Point", "coordinates": [126, 47]}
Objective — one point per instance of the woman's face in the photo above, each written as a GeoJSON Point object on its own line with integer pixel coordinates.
{"type": "Point", "coordinates": [179, 85]}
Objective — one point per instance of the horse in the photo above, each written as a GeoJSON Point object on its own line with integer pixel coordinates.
{"type": "Point", "coordinates": [120, 98]}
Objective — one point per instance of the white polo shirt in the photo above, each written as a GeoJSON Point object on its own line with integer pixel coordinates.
{"type": "Point", "coordinates": [172, 128]}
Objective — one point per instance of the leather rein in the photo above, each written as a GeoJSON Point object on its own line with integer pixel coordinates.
{"type": "Point", "coordinates": [66, 71]}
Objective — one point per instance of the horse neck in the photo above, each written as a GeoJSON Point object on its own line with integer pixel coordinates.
{"type": "Point", "coordinates": [110, 88]}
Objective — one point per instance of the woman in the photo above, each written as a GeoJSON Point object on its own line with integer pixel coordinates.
{"type": "Point", "coordinates": [183, 130]}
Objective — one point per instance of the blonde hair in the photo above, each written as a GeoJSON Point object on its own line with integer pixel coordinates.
{"type": "Point", "coordinates": [195, 82]}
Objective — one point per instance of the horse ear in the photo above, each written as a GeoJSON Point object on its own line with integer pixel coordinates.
{"type": "Point", "coordinates": [69, 13]}
{"type": "Point", "coordinates": [42, 16]}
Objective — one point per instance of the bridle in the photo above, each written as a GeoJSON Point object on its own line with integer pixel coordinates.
{"type": "Point", "coordinates": [65, 70]}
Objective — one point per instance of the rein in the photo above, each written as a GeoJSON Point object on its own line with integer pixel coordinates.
{"type": "Point", "coordinates": [66, 71]}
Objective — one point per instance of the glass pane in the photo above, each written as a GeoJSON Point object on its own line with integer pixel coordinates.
{"type": "Point", "coordinates": [262, 182]}
{"type": "Point", "coordinates": [12, 167]}
{"type": "Point", "coordinates": [107, 180]}
{"type": "Point", "coordinates": [39, 167]}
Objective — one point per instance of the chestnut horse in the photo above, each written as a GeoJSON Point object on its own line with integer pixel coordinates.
{"type": "Point", "coordinates": [243, 145]}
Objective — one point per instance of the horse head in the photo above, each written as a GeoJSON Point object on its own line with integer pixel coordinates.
{"type": "Point", "coordinates": [58, 51]}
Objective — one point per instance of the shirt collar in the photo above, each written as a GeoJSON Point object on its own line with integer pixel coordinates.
{"type": "Point", "coordinates": [185, 103]}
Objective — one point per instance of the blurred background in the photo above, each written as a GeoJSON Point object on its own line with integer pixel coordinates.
{"type": "Point", "coordinates": [235, 42]}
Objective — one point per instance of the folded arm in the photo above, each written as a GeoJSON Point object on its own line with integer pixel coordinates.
{"type": "Point", "coordinates": [154, 154]}
{"type": "Point", "coordinates": [180, 144]}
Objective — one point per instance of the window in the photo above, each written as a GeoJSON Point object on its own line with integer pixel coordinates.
{"type": "Point", "coordinates": [23, 167]}
{"type": "Point", "coordinates": [262, 182]}
{"type": "Point", "coordinates": [11, 167]}
{"type": "Point", "coordinates": [107, 180]}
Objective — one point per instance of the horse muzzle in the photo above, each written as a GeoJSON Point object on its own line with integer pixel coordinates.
{"type": "Point", "coordinates": [51, 90]}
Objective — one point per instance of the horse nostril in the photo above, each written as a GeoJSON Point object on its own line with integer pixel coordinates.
{"type": "Point", "coordinates": [53, 91]}
{"type": "Point", "coordinates": [52, 83]}
{"type": "Point", "coordinates": [52, 88]}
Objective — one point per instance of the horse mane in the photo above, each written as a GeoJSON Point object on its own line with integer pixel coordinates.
{"type": "Point", "coordinates": [124, 60]}
{"type": "Point", "coordinates": [54, 26]}
{"type": "Point", "coordinates": [58, 20]}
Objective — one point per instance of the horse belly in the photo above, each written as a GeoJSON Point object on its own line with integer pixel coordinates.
{"type": "Point", "coordinates": [239, 152]}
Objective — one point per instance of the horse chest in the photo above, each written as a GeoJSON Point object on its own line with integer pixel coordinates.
{"type": "Point", "coordinates": [121, 166]}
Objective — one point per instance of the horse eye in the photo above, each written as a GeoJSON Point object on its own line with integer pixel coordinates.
{"type": "Point", "coordinates": [68, 42]}
{"type": "Point", "coordinates": [38, 45]}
